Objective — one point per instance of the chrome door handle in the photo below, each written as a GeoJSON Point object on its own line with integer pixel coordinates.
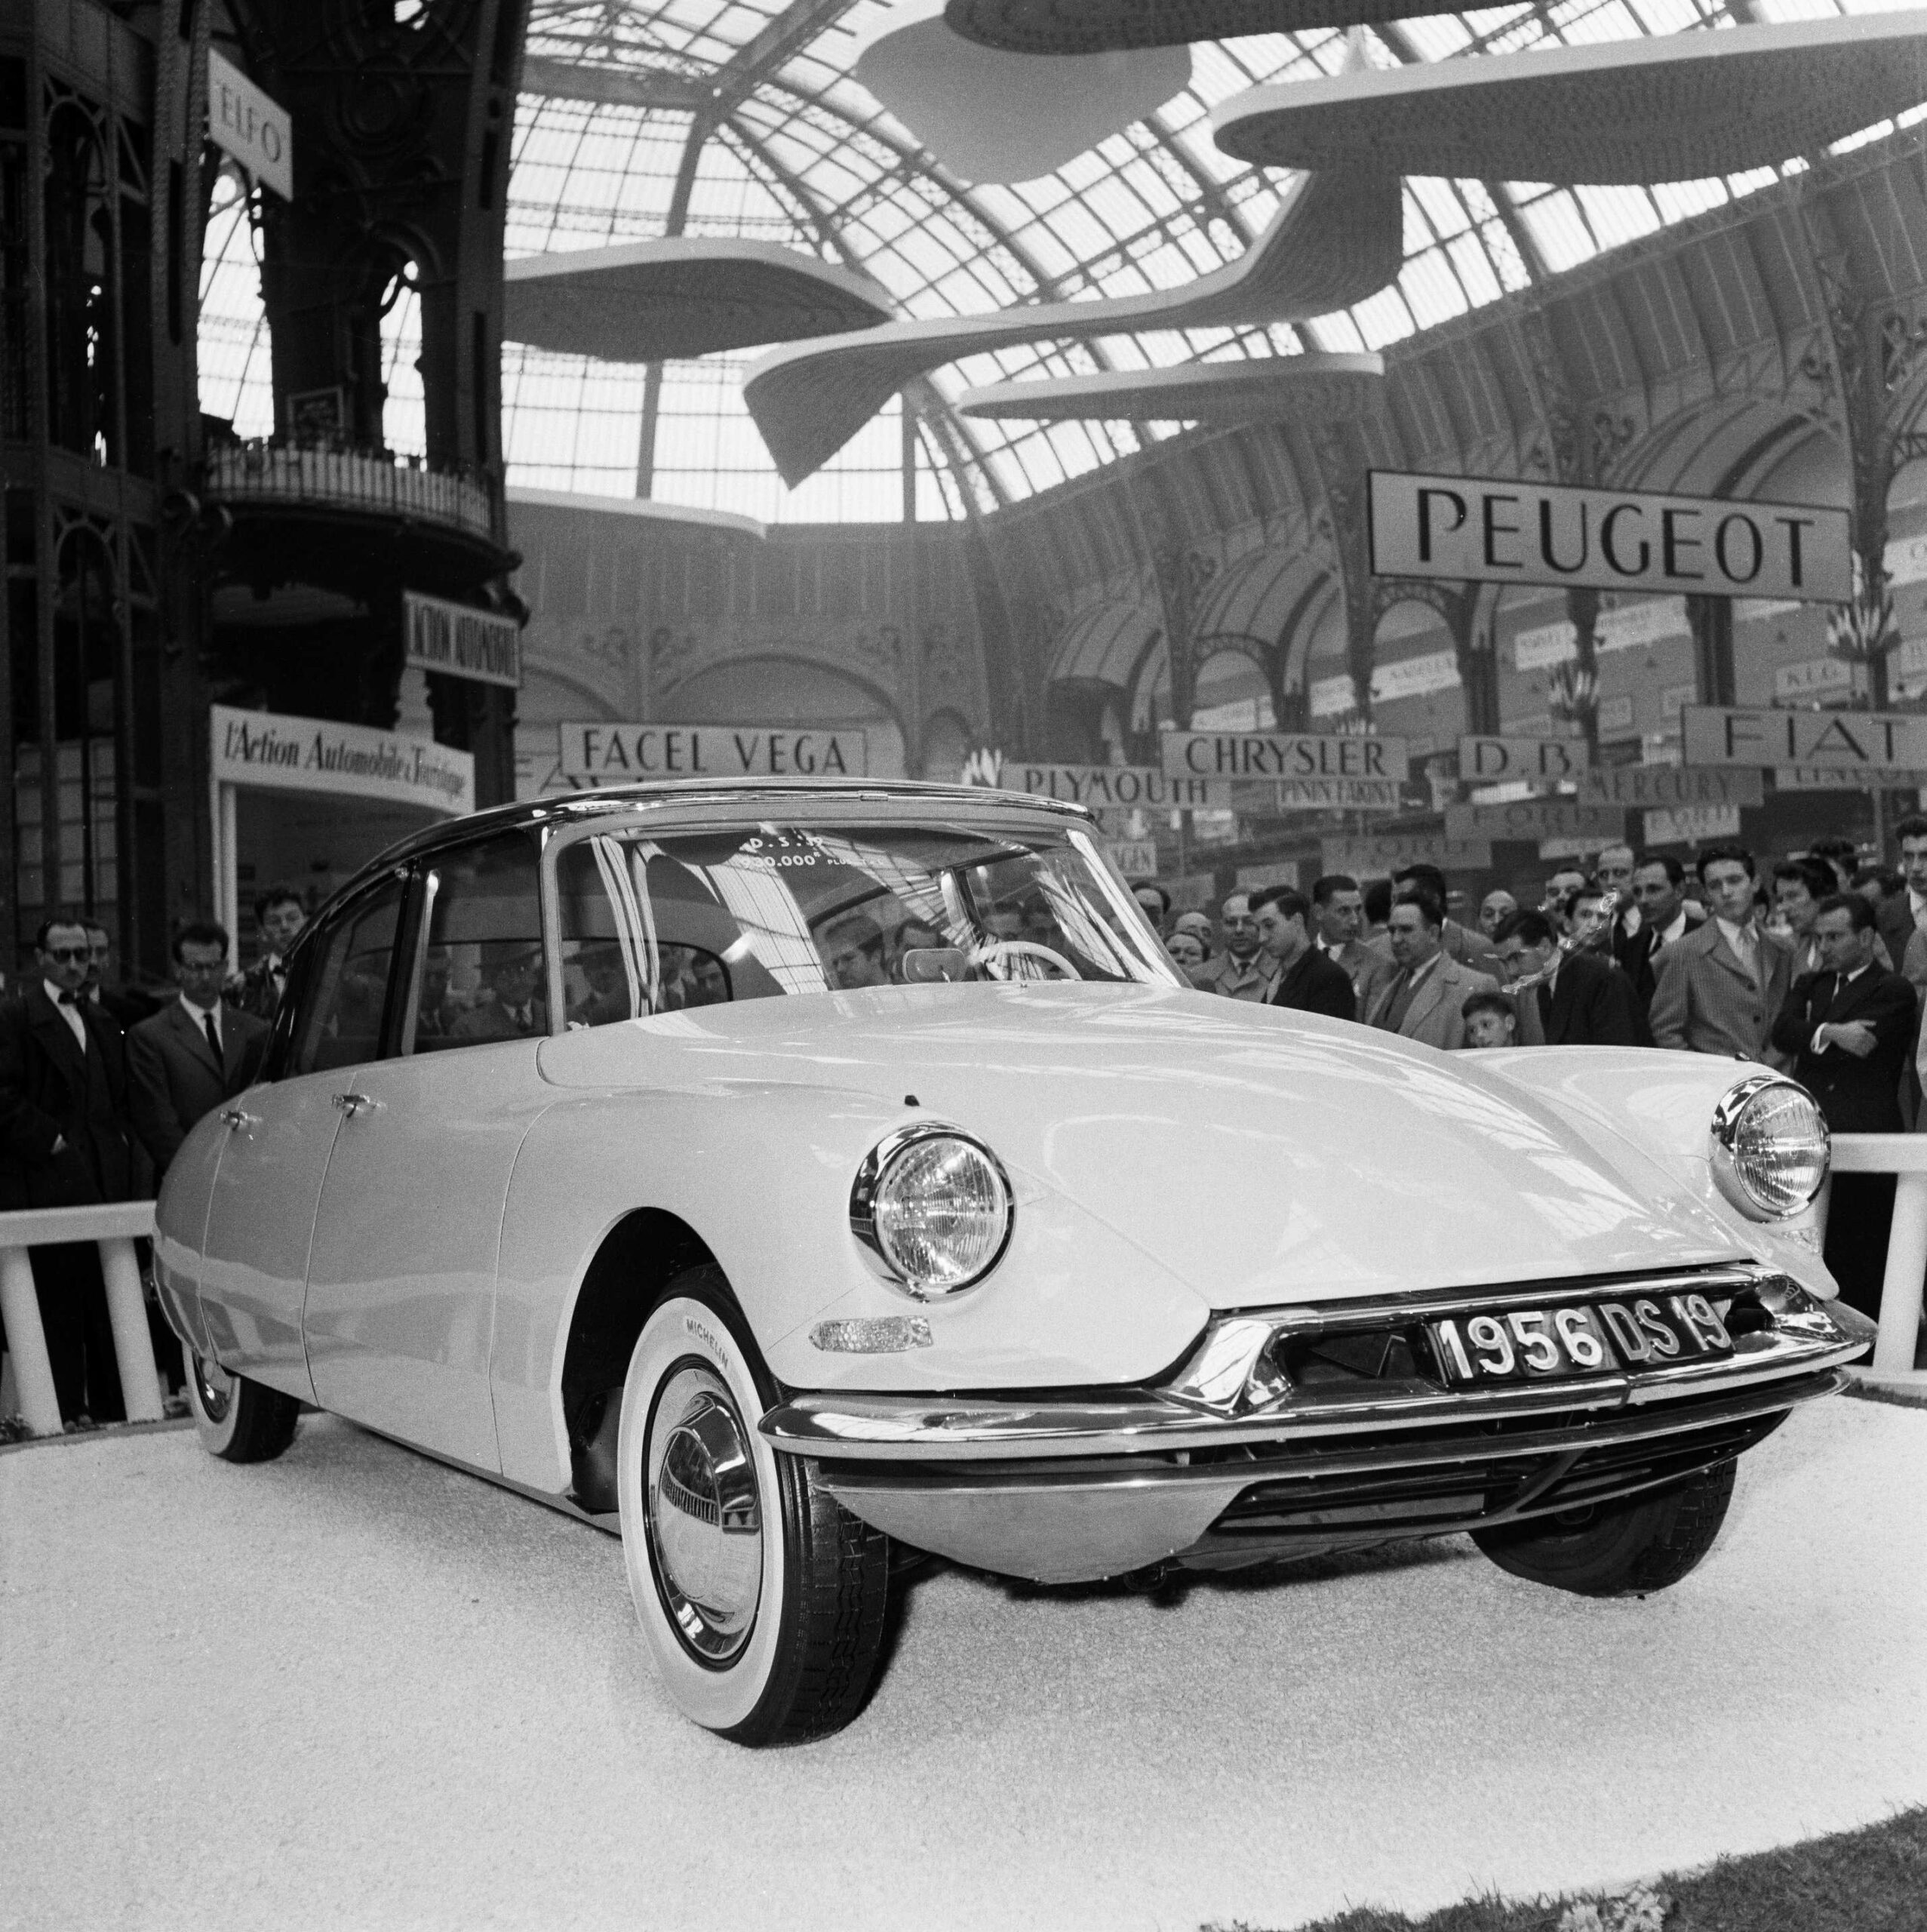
{"type": "Point", "coordinates": [233, 1117]}
{"type": "Point", "coordinates": [351, 1104]}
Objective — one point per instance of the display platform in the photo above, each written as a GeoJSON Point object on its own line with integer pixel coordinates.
{"type": "Point", "coordinates": [355, 1687]}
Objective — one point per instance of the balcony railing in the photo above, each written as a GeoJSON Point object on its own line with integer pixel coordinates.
{"type": "Point", "coordinates": [339, 477]}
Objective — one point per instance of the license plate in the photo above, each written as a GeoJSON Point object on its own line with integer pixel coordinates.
{"type": "Point", "coordinates": [1533, 1344]}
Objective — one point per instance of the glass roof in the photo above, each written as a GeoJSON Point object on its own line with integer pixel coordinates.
{"type": "Point", "coordinates": [804, 156]}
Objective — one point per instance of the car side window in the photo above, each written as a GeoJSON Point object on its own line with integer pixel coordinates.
{"type": "Point", "coordinates": [631, 948]}
{"type": "Point", "coordinates": [344, 993]}
{"type": "Point", "coordinates": [480, 969]}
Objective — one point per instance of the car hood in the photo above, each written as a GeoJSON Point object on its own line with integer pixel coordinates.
{"type": "Point", "coordinates": [1260, 1155]}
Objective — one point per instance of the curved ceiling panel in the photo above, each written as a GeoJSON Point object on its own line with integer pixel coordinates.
{"type": "Point", "coordinates": [1274, 389]}
{"type": "Point", "coordinates": [653, 301]}
{"type": "Point", "coordinates": [1092, 26]}
{"type": "Point", "coordinates": [1676, 108]}
{"type": "Point", "coordinates": [1336, 240]}
{"type": "Point", "coordinates": [993, 116]}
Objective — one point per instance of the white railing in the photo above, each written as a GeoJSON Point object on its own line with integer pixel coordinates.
{"type": "Point", "coordinates": [114, 1227]}
{"type": "Point", "coordinates": [1905, 1155]}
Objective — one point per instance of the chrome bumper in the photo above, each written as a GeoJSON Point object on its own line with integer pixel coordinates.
{"type": "Point", "coordinates": [1229, 1462]}
{"type": "Point", "coordinates": [1227, 1393]}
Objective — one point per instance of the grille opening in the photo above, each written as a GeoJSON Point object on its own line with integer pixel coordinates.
{"type": "Point", "coordinates": [1365, 1355]}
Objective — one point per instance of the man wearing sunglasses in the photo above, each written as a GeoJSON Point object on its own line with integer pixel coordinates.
{"type": "Point", "coordinates": [64, 1143]}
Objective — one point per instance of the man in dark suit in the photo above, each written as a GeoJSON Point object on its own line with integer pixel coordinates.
{"type": "Point", "coordinates": [1338, 911]}
{"type": "Point", "coordinates": [103, 987]}
{"type": "Point", "coordinates": [193, 1054]}
{"type": "Point", "coordinates": [1847, 1029]}
{"type": "Point", "coordinates": [1579, 998]}
{"type": "Point", "coordinates": [1306, 980]}
{"type": "Point", "coordinates": [64, 1143]}
{"type": "Point", "coordinates": [1666, 917]}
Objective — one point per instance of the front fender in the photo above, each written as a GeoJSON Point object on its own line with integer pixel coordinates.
{"type": "Point", "coordinates": [1647, 1108]}
{"type": "Point", "coordinates": [762, 1172]}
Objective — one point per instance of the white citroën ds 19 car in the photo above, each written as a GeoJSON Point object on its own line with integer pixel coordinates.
{"type": "Point", "coordinates": [784, 1174]}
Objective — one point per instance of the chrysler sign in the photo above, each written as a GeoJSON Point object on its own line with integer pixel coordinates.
{"type": "Point", "coordinates": [1478, 529]}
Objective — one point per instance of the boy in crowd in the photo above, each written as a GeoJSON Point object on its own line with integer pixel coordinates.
{"type": "Point", "coordinates": [1490, 1020]}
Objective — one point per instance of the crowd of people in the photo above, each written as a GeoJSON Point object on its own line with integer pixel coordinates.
{"type": "Point", "coordinates": [1816, 965]}
{"type": "Point", "coordinates": [99, 1086]}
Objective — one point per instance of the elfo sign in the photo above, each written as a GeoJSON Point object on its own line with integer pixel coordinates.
{"type": "Point", "coordinates": [1488, 530]}
{"type": "Point", "coordinates": [604, 754]}
{"type": "Point", "coordinates": [458, 641]}
{"type": "Point", "coordinates": [250, 126]}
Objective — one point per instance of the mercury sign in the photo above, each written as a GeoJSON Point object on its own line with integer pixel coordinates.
{"type": "Point", "coordinates": [1484, 530]}
{"type": "Point", "coordinates": [247, 124]}
{"type": "Point", "coordinates": [603, 754]}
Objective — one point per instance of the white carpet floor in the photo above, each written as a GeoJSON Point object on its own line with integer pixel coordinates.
{"type": "Point", "coordinates": [353, 1688]}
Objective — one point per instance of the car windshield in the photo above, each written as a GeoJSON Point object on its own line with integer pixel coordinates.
{"type": "Point", "coordinates": [652, 922]}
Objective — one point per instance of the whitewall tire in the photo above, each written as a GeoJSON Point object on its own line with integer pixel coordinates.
{"type": "Point", "coordinates": [763, 1600]}
{"type": "Point", "coordinates": [238, 1420]}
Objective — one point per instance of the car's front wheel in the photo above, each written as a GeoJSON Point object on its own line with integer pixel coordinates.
{"type": "Point", "coordinates": [1618, 1549]}
{"type": "Point", "coordinates": [763, 1600]}
{"type": "Point", "coordinates": [240, 1421]}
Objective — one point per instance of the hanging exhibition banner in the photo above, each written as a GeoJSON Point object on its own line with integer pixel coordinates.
{"type": "Point", "coordinates": [1117, 787]}
{"type": "Point", "coordinates": [1852, 741]}
{"type": "Point", "coordinates": [250, 126]}
{"type": "Point", "coordinates": [458, 641]}
{"type": "Point", "coordinates": [1535, 818]}
{"type": "Point", "coordinates": [1489, 530]}
{"type": "Point", "coordinates": [1379, 858]}
{"type": "Point", "coordinates": [264, 747]}
{"type": "Point", "coordinates": [1499, 760]}
{"type": "Point", "coordinates": [600, 753]}
{"type": "Point", "coordinates": [1652, 787]}
{"type": "Point", "coordinates": [1288, 755]}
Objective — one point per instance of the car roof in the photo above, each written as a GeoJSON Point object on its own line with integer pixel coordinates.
{"type": "Point", "coordinates": [573, 808]}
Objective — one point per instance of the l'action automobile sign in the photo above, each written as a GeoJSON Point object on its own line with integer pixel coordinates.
{"type": "Point", "coordinates": [1492, 531]}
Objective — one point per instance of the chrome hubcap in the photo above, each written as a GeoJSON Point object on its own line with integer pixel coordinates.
{"type": "Point", "coordinates": [214, 1386]}
{"type": "Point", "coordinates": [706, 1515]}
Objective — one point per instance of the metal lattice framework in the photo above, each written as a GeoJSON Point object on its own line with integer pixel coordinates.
{"type": "Point", "coordinates": [642, 119]}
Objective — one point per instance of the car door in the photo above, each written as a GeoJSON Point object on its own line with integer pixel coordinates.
{"type": "Point", "coordinates": [279, 1136]}
{"type": "Point", "coordinates": [400, 1311]}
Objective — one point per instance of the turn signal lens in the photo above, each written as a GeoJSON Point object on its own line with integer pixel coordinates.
{"type": "Point", "coordinates": [935, 1207]}
{"type": "Point", "coordinates": [1770, 1146]}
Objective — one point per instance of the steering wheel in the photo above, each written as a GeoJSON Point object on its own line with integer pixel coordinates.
{"type": "Point", "coordinates": [993, 950]}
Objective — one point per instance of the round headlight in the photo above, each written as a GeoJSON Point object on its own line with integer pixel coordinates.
{"type": "Point", "coordinates": [1770, 1146]}
{"type": "Point", "coordinates": [935, 1206]}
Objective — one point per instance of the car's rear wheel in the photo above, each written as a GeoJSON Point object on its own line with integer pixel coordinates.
{"type": "Point", "coordinates": [763, 1599]}
{"type": "Point", "coordinates": [1617, 1549]}
{"type": "Point", "coordinates": [239, 1420]}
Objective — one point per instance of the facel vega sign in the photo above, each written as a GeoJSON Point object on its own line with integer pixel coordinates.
{"type": "Point", "coordinates": [605, 754]}
{"type": "Point", "coordinates": [1485, 530]}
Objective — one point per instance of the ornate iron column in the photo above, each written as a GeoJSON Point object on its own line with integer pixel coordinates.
{"type": "Point", "coordinates": [403, 122]}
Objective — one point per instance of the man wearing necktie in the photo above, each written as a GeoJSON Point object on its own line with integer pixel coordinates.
{"type": "Point", "coordinates": [64, 1143]}
{"type": "Point", "coordinates": [1847, 1028]}
{"type": "Point", "coordinates": [195, 1053]}
{"type": "Point", "coordinates": [512, 970]}
{"type": "Point", "coordinates": [1721, 986]}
